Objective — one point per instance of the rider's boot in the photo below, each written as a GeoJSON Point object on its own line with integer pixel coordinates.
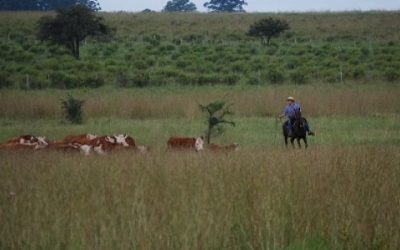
{"type": "Point", "coordinates": [311, 133]}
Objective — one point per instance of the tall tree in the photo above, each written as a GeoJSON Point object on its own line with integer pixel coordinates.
{"type": "Point", "coordinates": [40, 5]}
{"type": "Point", "coordinates": [267, 28]}
{"type": "Point", "coordinates": [61, 4]}
{"type": "Point", "coordinates": [71, 26]}
{"type": "Point", "coordinates": [180, 6]}
{"type": "Point", "coordinates": [225, 5]}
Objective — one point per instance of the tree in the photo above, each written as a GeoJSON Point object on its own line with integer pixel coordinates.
{"type": "Point", "coordinates": [216, 112]}
{"type": "Point", "coordinates": [43, 5]}
{"type": "Point", "coordinates": [225, 5]}
{"type": "Point", "coordinates": [180, 6]}
{"type": "Point", "coordinates": [267, 28]}
{"type": "Point", "coordinates": [70, 27]}
{"type": "Point", "coordinates": [57, 4]}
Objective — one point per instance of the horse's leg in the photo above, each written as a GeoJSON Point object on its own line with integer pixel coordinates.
{"type": "Point", "coordinates": [285, 134]}
{"type": "Point", "coordinates": [298, 142]}
{"type": "Point", "coordinates": [305, 141]}
{"type": "Point", "coordinates": [292, 141]}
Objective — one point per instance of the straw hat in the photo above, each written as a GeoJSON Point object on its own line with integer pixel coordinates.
{"type": "Point", "coordinates": [290, 99]}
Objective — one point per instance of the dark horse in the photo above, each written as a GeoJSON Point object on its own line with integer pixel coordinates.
{"type": "Point", "coordinates": [298, 131]}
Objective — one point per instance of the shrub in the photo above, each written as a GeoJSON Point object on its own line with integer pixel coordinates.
{"type": "Point", "coordinates": [154, 40]}
{"type": "Point", "coordinates": [274, 75]}
{"type": "Point", "coordinates": [92, 81]}
{"type": "Point", "coordinates": [392, 75]}
{"type": "Point", "coordinates": [358, 73]}
{"type": "Point", "coordinates": [141, 79]}
{"type": "Point", "coordinates": [331, 76]}
{"type": "Point", "coordinates": [136, 79]}
{"type": "Point", "coordinates": [63, 81]}
{"type": "Point", "coordinates": [230, 79]}
{"type": "Point", "coordinates": [4, 81]}
{"type": "Point", "coordinates": [73, 109]}
{"type": "Point", "coordinates": [298, 76]}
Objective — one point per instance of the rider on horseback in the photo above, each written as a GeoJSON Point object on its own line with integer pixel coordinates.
{"type": "Point", "coordinates": [293, 110]}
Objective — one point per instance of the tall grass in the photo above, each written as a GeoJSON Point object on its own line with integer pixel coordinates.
{"type": "Point", "coordinates": [178, 102]}
{"type": "Point", "coordinates": [325, 198]}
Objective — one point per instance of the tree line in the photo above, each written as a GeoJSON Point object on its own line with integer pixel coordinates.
{"type": "Point", "coordinates": [45, 5]}
{"type": "Point", "coordinates": [171, 6]}
{"type": "Point", "coordinates": [212, 5]}
{"type": "Point", "coordinates": [72, 25]}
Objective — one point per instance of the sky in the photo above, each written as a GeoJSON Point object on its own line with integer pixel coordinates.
{"type": "Point", "coordinates": [263, 5]}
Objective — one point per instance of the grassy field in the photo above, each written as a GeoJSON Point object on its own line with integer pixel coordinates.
{"type": "Point", "coordinates": [323, 198]}
{"type": "Point", "coordinates": [205, 49]}
{"type": "Point", "coordinates": [341, 193]}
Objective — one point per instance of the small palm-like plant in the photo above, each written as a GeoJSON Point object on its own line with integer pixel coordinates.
{"type": "Point", "coordinates": [73, 109]}
{"type": "Point", "coordinates": [216, 113]}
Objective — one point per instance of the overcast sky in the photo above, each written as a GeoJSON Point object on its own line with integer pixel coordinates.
{"type": "Point", "coordinates": [263, 5]}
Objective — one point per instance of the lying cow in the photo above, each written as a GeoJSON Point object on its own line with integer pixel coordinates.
{"type": "Point", "coordinates": [79, 139]}
{"type": "Point", "coordinates": [105, 144]}
{"type": "Point", "coordinates": [186, 143]}
{"type": "Point", "coordinates": [66, 147]}
{"type": "Point", "coordinates": [230, 147]}
{"type": "Point", "coordinates": [27, 141]}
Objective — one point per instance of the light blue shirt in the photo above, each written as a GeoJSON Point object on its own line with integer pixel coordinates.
{"type": "Point", "coordinates": [291, 110]}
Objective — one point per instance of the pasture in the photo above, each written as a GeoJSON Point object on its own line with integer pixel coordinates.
{"type": "Point", "coordinates": [341, 193]}
{"type": "Point", "coordinates": [200, 49]}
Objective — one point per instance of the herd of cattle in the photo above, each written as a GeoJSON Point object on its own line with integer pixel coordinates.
{"type": "Point", "coordinates": [90, 143]}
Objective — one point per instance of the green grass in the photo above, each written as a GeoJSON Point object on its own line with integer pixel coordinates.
{"type": "Point", "coordinates": [206, 49]}
{"type": "Point", "coordinates": [249, 132]}
{"type": "Point", "coordinates": [341, 193]}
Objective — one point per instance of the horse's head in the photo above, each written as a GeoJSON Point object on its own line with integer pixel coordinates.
{"type": "Point", "coordinates": [299, 124]}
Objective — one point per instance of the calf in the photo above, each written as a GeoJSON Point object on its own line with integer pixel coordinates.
{"type": "Point", "coordinates": [230, 147]}
{"type": "Point", "coordinates": [186, 143]}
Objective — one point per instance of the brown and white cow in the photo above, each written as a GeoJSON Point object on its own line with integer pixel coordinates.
{"type": "Point", "coordinates": [229, 147]}
{"type": "Point", "coordinates": [79, 139]}
{"type": "Point", "coordinates": [105, 144]}
{"type": "Point", "coordinates": [186, 143]}
{"type": "Point", "coordinates": [28, 142]}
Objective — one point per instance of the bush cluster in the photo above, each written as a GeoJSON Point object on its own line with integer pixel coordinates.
{"type": "Point", "coordinates": [192, 57]}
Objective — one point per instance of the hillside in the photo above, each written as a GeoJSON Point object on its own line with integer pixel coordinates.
{"type": "Point", "coordinates": [206, 49]}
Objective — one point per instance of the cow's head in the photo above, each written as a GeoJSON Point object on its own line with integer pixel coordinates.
{"type": "Point", "coordinates": [121, 139]}
{"type": "Point", "coordinates": [199, 144]}
{"type": "Point", "coordinates": [130, 141]}
{"type": "Point", "coordinates": [41, 142]}
{"type": "Point", "coordinates": [111, 139]}
{"type": "Point", "coordinates": [91, 136]}
{"type": "Point", "coordinates": [85, 149]}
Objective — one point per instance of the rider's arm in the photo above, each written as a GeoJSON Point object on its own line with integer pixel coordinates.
{"type": "Point", "coordinates": [285, 113]}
